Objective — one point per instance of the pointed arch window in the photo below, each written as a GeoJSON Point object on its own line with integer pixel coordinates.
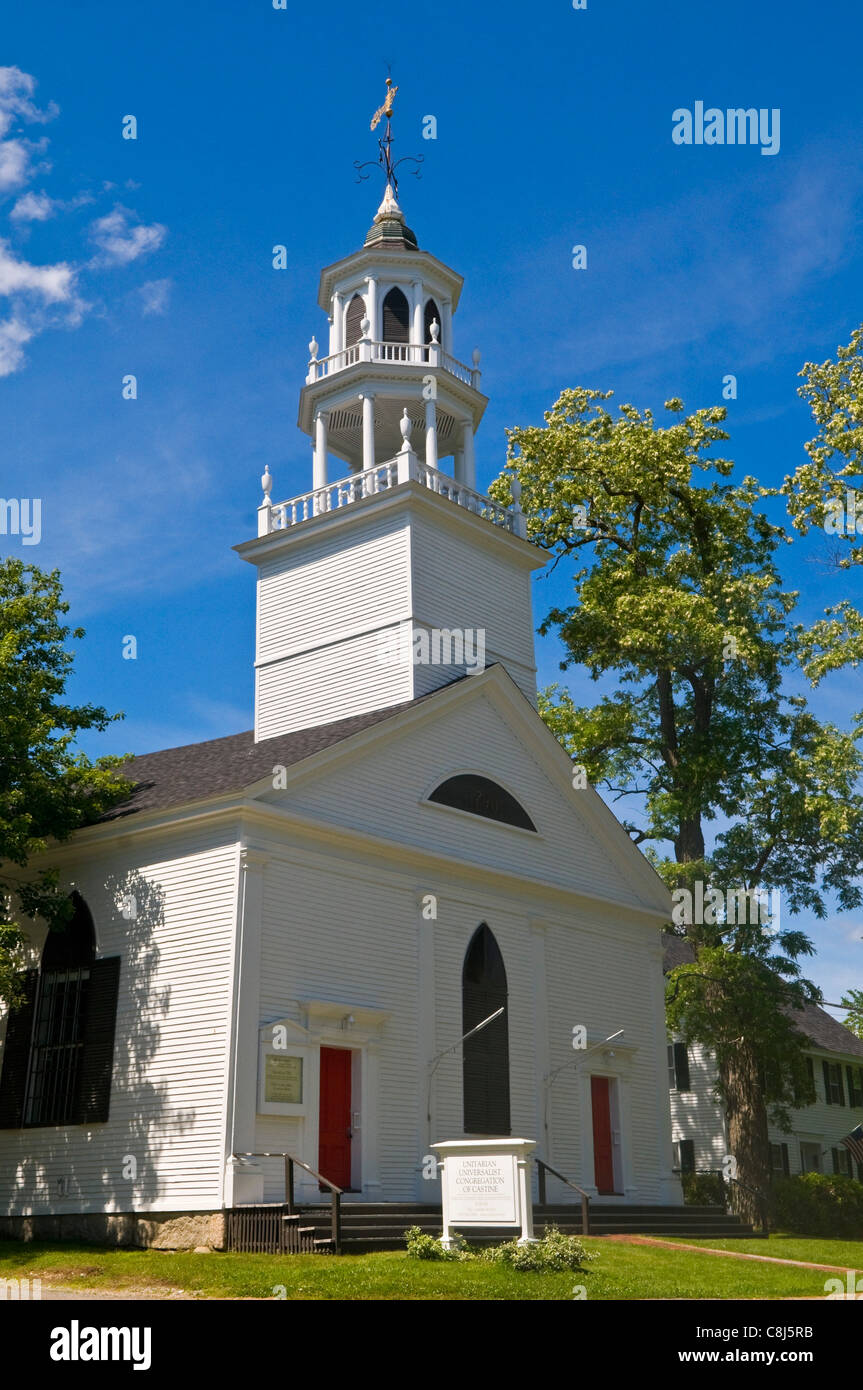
{"type": "Point", "coordinates": [431, 314]}
{"type": "Point", "coordinates": [482, 797]}
{"type": "Point", "coordinates": [396, 317]}
{"type": "Point", "coordinates": [59, 1050]}
{"type": "Point", "coordinates": [356, 312]}
{"type": "Point", "coordinates": [486, 1054]}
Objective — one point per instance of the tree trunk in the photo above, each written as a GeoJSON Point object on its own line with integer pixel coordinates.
{"type": "Point", "coordinates": [748, 1144]}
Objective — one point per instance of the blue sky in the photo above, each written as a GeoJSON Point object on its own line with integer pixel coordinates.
{"type": "Point", "coordinates": [153, 257]}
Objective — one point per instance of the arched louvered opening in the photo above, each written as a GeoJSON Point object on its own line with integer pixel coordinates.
{"type": "Point", "coordinates": [396, 317]}
{"type": "Point", "coordinates": [353, 320]}
{"type": "Point", "coordinates": [486, 1054]}
{"type": "Point", "coordinates": [59, 1052]}
{"type": "Point", "coordinates": [482, 797]}
{"type": "Point", "coordinates": [432, 313]}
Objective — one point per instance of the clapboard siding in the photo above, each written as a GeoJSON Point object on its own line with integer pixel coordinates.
{"type": "Point", "coordinates": [360, 576]}
{"type": "Point", "coordinates": [457, 584]}
{"type": "Point", "coordinates": [383, 792]}
{"type": "Point", "coordinates": [605, 980]}
{"type": "Point", "coordinates": [331, 683]}
{"type": "Point", "coordinates": [168, 1087]}
{"type": "Point", "coordinates": [696, 1114]}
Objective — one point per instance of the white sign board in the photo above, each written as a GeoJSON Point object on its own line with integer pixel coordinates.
{"type": "Point", "coordinates": [481, 1190]}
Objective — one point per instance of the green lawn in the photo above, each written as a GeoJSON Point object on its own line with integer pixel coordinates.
{"type": "Point", "coordinates": [846, 1253]}
{"type": "Point", "coordinates": [621, 1272]}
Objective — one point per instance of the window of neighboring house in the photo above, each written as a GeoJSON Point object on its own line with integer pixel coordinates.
{"type": "Point", "coordinates": [854, 1077]}
{"type": "Point", "coordinates": [810, 1157]}
{"type": "Point", "coordinates": [678, 1067]}
{"type": "Point", "coordinates": [686, 1155]}
{"type": "Point", "coordinates": [779, 1163]}
{"type": "Point", "coordinates": [842, 1161]}
{"type": "Point", "coordinates": [834, 1091]}
{"type": "Point", "coordinates": [59, 1052]}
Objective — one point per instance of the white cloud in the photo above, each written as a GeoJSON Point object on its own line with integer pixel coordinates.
{"type": "Point", "coordinates": [39, 207]}
{"type": "Point", "coordinates": [54, 284]}
{"type": "Point", "coordinates": [14, 333]}
{"type": "Point", "coordinates": [154, 296]}
{"type": "Point", "coordinates": [16, 107]}
{"type": "Point", "coordinates": [121, 241]}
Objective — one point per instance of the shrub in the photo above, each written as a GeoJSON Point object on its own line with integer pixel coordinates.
{"type": "Point", "coordinates": [703, 1189]}
{"type": "Point", "coordinates": [422, 1246]}
{"type": "Point", "coordinates": [819, 1204]}
{"type": "Point", "coordinates": [554, 1252]}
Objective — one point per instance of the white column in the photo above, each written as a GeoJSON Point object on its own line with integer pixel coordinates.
{"type": "Point", "coordinates": [431, 434]}
{"type": "Point", "coordinates": [542, 1051]}
{"type": "Point", "coordinates": [372, 308]}
{"type": "Point", "coordinates": [458, 465]}
{"type": "Point", "coordinates": [243, 1086]}
{"type": "Point", "coordinates": [338, 330]}
{"type": "Point", "coordinates": [368, 431]}
{"type": "Point", "coordinates": [446, 325]}
{"type": "Point", "coordinates": [469, 456]}
{"type": "Point", "coordinates": [417, 329]}
{"type": "Point", "coordinates": [319, 478]}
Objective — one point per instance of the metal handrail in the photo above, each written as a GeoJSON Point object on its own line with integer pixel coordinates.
{"type": "Point", "coordinates": [335, 1192]}
{"type": "Point", "coordinates": [544, 1168]}
{"type": "Point", "coordinates": [760, 1197]}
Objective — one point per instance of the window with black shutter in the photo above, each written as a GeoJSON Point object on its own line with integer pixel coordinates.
{"type": "Point", "coordinates": [681, 1067]}
{"type": "Point", "coordinates": [353, 320]}
{"type": "Point", "coordinates": [486, 1054]}
{"type": "Point", "coordinates": [396, 317]}
{"type": "Point", "coordinates": [855, 1087]}
{"type": "Point", "coordinates": [779, 1160]}
{"type": "Point", "coordinates": [834, 1090]}
{"type": "Point", "coordinates": [430, 316]}
{"type": "Point", "coordinates": [686, 1155]}
{"type": "Point", "coordinates": [59, 1050]}
{"type": "Point", "coordinates": [841, 1162]}
{"type": "Point", "coordinates": [810, 1067]}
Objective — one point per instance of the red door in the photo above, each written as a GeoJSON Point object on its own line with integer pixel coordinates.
{"type": "Point", "coordinates": [603, 1161]}
{"type": "Point", "coordinates": [334, 1132]}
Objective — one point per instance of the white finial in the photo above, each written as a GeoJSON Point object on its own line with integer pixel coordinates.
{"type": "Point", "coordinates": [267, 482]}
{"type": "Point", "coordinates": [434, 329]}
{"type": "Point", "coordinates": [476, 356]}
{"type": "Point", "coordinates": [313, 349]}
{"type": "Point", "coordinates": [405, 426]}
{"type": "Point", "coordinates": [389, 207]}
{"type": "Point", "coordinates": [365, 327]}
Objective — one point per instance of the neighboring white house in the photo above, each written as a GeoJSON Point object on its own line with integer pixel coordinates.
{"type": "Point", "coordinates": [281, 932]}
{"type": "Point", "coordinates": [835, 1059]}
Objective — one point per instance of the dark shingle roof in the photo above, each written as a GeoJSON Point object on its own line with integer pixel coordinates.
{"type": "Point", "coordinates": [196, 771]}
{"type": "Point", "coordinates": [818, 1026]}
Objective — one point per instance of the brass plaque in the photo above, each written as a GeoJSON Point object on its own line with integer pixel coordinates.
{"type": "Point", "coordinates": [283, 1080]}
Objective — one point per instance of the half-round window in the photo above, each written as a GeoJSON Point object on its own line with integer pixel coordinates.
{"type": "Point", "coordinates": [482, 797]}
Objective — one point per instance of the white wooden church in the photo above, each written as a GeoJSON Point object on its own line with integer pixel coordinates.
{"type": "Point", "coordinates": [280, 939]}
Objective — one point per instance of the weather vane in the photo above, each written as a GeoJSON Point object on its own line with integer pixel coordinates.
{"type": "Point", "coordinates": [385, 142]}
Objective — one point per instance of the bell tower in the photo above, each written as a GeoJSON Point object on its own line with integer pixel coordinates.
{"type": "Point", "coordinates": [393, 575]}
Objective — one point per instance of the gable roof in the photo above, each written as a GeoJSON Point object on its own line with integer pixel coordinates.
{"type": "Point", "coordinates": [218, 766]}
{"type": "Point", "coordinates": [821, 1028]}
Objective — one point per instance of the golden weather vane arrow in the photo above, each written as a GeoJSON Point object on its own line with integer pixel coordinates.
{"type": "Point", "coordinates": [385, 156]}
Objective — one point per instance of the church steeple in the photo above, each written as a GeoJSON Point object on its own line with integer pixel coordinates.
{"type": "Point", "coordinates": [393, 540]}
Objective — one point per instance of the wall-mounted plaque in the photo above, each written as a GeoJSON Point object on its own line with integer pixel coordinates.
{"type": "Point", "coordinates": [283, 1079]}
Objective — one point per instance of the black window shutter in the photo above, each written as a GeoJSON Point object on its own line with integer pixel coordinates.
{"type": "Point", "coordinates": [396, 315]}
{"type": "Point", "coordinates": [786, 1166]}
{"type": "Point", "coordinates": [94, 1074]}
{"type": "Point", "coordinates": [353, 321]}
{"type": "Point", "coordinates": [681, 1066]}
{"type": "Point", "coordinates": [826, 1069]}
{"type": "Point", "coordinates": [16, 1056]}
{"type": "Point", "coordinates": [687, 1155]}
{"type": "Point", "coordinates": [835, 1153]}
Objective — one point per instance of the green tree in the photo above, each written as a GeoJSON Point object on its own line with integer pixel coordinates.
{"type": "Point", "coordinates": [852, 1000]}
{"type": "Point", "coordinates": [47, 789]}
{"type": "Point", "coordinates": [679, 601]}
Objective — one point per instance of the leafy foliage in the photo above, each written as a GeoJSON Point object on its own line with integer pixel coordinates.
{"type": "Point", "coordinates": [819, 1204]}
{"type": "Point", "coordinates": [47, 789]}
{"type": "Point", "coordinates": [852, 1000]}
{"type": "Point", "coordinates": [554, 1252]}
